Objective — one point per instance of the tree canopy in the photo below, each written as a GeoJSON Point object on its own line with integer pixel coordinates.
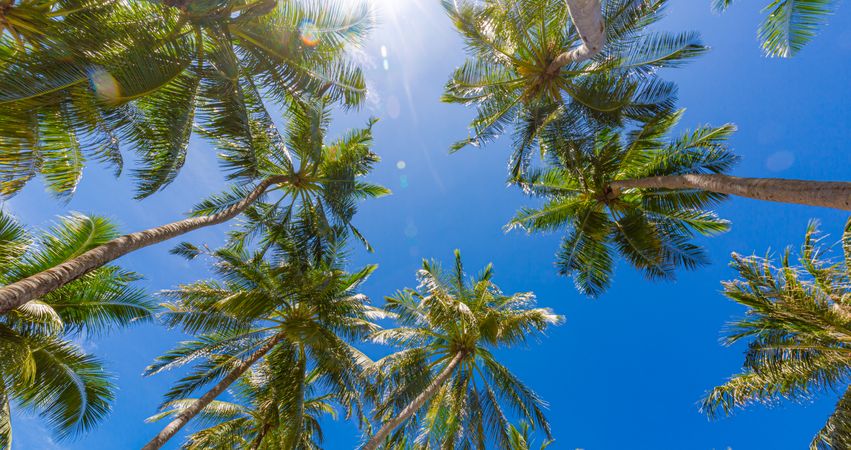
{"type": "Point", "coordinates": [281, 337]}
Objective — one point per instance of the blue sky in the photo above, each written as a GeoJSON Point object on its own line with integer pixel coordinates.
{"type": "Point", "coordinates": [627, 369]}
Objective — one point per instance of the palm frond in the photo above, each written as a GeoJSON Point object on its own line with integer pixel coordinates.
{"type": "Point", "coordinates": [70, 389]}
{"type": "Point", "coordinates": [791, 24]}
{"type": "Point", "coordinates": [797, 330]}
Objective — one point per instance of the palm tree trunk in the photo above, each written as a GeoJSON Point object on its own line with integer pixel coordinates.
{"type": "Point", "coordinates": [830, 194]}
{"type": "Point", "coordinates": [255, 444]}
{"type": "Point", "coordinates": [5, 418]}
{"type": "Point", "coordinates": [587, 17]}
{"type": "Point", "coordinates": [187, 414]}
{"type": "Point", "coordinates": [415, 405]}
{"type": "Point", "coordinates": [298, 419]}
{"type": "Point", "coordinates": [35, 286]}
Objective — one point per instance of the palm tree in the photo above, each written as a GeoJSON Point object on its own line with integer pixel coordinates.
{"type": "Point", "coordinates": [798, 329]}
{"type": "Point", "coordinates": [319, 176]}
{"type": "Point", "coordinates": [297, 309]}
{"type": "Point", "coordinates": [644, 195]}
{"type": "Point", "coordinates": [262, 418]}
{"type": "Point", "coordinates": [515, 80]}
{"type": "Point", "coordinates": [447, 375]}
{"type": "Point", "coordinates": [157, 71]}
{"type": "Point", "coordinates": [789, 25]}
{"type": "Point", "coordinates": [41, 369]}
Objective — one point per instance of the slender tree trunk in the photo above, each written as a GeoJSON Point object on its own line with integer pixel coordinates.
{"type": "Point", "coordinates": [35, 286]}
{"type": "Point", "coordinates": [187, 414]}
{"type": "Point", "coordinates": [379, 437]}
{"type": "Point", "coordinates": [830, 194]}
{"type": "Point", "coordinates": [5, 418]}
{"type": "Point", "coordinates": [255, 444]}
{"type": "Point", "coordinates": [298, 420]}
{"type": "Point", "coordinates": [587, 17]}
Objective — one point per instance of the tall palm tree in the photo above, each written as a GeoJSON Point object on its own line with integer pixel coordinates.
{"type": "Point", "coordinates": [297, 309]}
{"type": "Point", "coordinates": [308, 174]}
{"type": "Point", "coordinates": [645, 195]}
{"type": "Point", "coordinates": [513, 82]}
{"type": "Point", "coordinates": [159, 70]}
{"type": "Point", "coordinates": [262, 415]}
{"type": "Point", "coordinates": [789, 24]}
{"type": "Point", "coordinates": [446, 377]}
{"type": "Point", "coordinates": [798, 330]}
{"type": "Point", "coordinates": [41, 369]}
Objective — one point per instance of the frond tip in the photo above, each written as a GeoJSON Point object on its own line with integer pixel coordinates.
{"type": "Point", "coordinates": [789, 25]}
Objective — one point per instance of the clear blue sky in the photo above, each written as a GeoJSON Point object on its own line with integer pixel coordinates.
{"type": "Point", "coordinates": [627, 369]}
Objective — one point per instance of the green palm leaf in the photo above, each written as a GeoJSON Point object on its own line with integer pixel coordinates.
{"type": "Point", "coordinates": [651, 229]}
{"type": "Point", "coordinates": [153, 67]}
{"type": "Point", "coordinates": [70, 388]}
{"type": "Point", "coordinates": [299, 294]}
{"type": "Point", "coordinates": [837, 431]}
{"type": "Point", "coordinates": [789, 24]}
{"type": "Point", "coordinates": [509, 80]}
{"type": "Point", "coordinates": [40, 369]}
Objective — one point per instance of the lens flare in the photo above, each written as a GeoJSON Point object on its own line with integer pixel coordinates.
{"type": "Point", "coordinates": [309, 33]}
{"type": "Point", "coordinates": [780, 161]}
{"type": "Point", "coordinates": [104, 85]}
{"type": "Point", "coordinates": [393, 107]}
{"type": "Point", "coordinates": [411, 230]}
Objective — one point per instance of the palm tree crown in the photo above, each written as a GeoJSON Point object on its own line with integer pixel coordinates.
{"type": "Point", "coordinates": [150, 73]}
{"type": "Point", "coordinates": [508, 78]}
{"type": "Point", "coordinates": [299, 300]}
{"type": "Point", "coordinates": [40, 368]}
{"type": "Point", "coordinates": [651, 228]}
{"type": "Point", "coordinates": [798, 329]}
{"type": "Point", "coordinates": [451, 319]}
{"type": "Point", "coordinates": [324, 180]}
{"type": "Point", "coordinates": [265, 400]}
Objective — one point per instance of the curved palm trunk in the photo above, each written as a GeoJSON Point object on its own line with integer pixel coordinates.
{"type": "Point", "coordinates": [35, 286]}
{"type": "Point", "coordinates": [587, 17]}
{"type": "Point", "coordinates": [830, 194]}
{"type": "Point", "coordinates": [415, 405]}
{"type": "Point", "coordinates": [187, 414]}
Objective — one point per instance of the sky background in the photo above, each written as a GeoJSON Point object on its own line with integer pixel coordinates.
{"type": "Point", "coordinates": [627, 369]}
